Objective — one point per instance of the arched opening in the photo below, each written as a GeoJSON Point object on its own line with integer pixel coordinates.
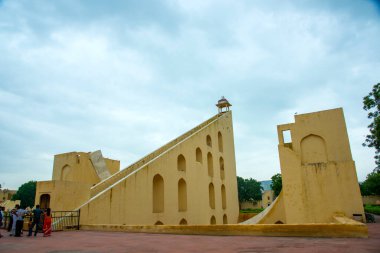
{"type": "Point", "coordinates": [198, 155]}
{"type": "Point", "coordinates": [211, 195]}
{"type": "Point", "coordinates": [182, 195]}
{"type": "Point", "coordinates": [223, 190]}
{"type": "Point", "coordinates": [65, 173]}
{"type": "Point", "coordinates": [221, 165]}
{"type": "Point", "coordinates": [213, 220]}
{"type": "Point", "coordinates": [313, 149]}
{"type": "Point", "coordinates": [210, 165]}
{"type": "Point", "coordinates": [208, 141]}
{"type": "Point", "coordinates": [158, 223]}
{"type": "Point", "coordinates": [278, 222]}
{"type": "Point", "coordinates": [220, 142]}
{"type": "Point", "coordinates": [225, 219]}
{"type": "Point", "coordinates": [158, 194]}
{"type": "Point", "coordinates": [181, 163]}
{"type": "Point", "coordinates": [44, 201]}
{"type": "Point", "coordinates": [183, 222]}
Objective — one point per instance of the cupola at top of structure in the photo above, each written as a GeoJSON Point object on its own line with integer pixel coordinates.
{"type": "Point", "coordinates": [223, 105]}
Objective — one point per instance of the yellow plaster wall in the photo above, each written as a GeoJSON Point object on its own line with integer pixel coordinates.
{"type": "Point", "coordinates": [129, 200]}
{"type": "Point", "coordinates": [319, 180]}
{"type": "Point", "coordinates": [267, 198]}
{"type": "Point", "coordinates": [286, 230]}
{"type": "Point", "coordinates": [319, 176]}
{"type": "Point", "coordinates": [251, 204]}
{"type": "Point", "coordinates": [77, 167]}
{"type": "Point", "coordinates": [275, 213]}
{"type": "Point", "coordinates": [6, 194]}
{"type": "Point", "coordinates": [64, 195]}
{"type": "Point", "coordinates": [10, 204]}
{"type": "Point", "coordinates": [371, 200]}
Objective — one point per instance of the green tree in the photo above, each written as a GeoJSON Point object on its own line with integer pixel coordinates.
{"type": "Point", "coordinates": [276, 184]}
{"type": "Point", "coordinates": [364, 189]}
{"type": "Point", "coordinates": [26, 193]}
{"type": "Point", "coordinates": [248, 189]}
{"type": "Point", "coordinates": [371, 186]}
{"type": "Point", "coordinates": [372, 105]}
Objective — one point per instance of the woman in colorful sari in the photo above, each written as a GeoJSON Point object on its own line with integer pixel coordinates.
{"type": "Point", "coordinates": [47, 223]}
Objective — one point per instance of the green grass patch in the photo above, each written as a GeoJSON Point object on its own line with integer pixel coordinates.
{"type": "Point", "coordinates": [372, 209]}
{"type": "Point", "coordinates": [249, 210]}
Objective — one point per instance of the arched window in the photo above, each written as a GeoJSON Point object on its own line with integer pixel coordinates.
{"type": "Point", "coordinates": [223, 190]}
{"type": "Point", "coordinates": [221, 166]}
{"type": "Point", "coordinates": [210, 165]}
{"type": "Point", "coordinates": [158, 194]}
{"type": "Point", "coordinates": [198, 155]}
{"type": "Point", "coordinates": [225, 219]}
{"type": "Point", "coordinates": [313, 149]}
{"type": "Point", "coordinates": [182, 195]}
{"type": "Point", "coordinates": [213, 220]}
{"type": "Point", "coordinates": [208, 141]}
{"type": "Point", "coordinates": [211, 195]}
{"type": "Point", "coordinates": [181, 163]}
{"type": "Point", "coordinates": [220, 142]}
{"type": "Point", "coordinates": [183, 222]}
{"type": "Point", "coordinates": [158, 223]}
{"type": "Point", "coordinates": [65, 173]}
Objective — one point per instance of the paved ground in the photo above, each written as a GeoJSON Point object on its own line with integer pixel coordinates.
{"type": "Point", "coordinates": [88, 241]}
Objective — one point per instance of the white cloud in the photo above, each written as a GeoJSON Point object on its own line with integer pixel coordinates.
{"type": "Point", "coordinates": [127, 78]}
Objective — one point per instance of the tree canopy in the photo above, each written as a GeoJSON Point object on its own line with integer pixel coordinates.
{"type": "Point", "coordinates": [276, 184]}
{"type": "Point", "coordinates": [26, 193]}
{"type": "Point", "coordinates": [249, 189]}
{"type": "Point", "coordinates": [371, 104]}
{"type": "Point", "coordinates": [371, 186]}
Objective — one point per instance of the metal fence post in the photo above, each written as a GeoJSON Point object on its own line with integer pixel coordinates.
{"type": "Point", "coordinates": [78, 219]}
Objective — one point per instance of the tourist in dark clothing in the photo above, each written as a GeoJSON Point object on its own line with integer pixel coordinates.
{"type": "Point", "coordinates": [36, 220]}
{"type": "Point", "coordinates": [10, 221]}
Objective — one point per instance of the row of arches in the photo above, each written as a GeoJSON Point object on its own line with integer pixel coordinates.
{"type": "Point", "coordinates": [211, 196]}
{"type": "Point", "coordinates": [184, 221]}
{"type": "Point", "coordinates": [158, 195]}
{"type": "Point", "coordinates": [181, 163]}
{"type": "Point", "coordinates": [213, 220]}
{"type": "Point", "coordinates": [181, 222]}
{"type": "Point", "coordinates": [220, 141]}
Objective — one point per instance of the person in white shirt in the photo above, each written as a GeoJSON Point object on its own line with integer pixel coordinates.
{"type": "Point", "coordinates": [20, 220]}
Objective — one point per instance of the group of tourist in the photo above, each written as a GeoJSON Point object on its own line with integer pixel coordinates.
{"type": "Point", "coordinates": [16, 221]}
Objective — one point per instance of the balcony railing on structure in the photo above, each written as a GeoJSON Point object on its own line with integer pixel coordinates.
{"type": "Point", "coordinates": [61, 220]}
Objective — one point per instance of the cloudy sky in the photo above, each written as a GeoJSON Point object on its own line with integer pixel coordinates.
{"type": "Point", "coordinates": [126, 77]}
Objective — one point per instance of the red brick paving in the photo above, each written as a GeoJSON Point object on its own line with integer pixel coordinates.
{"type": "Point", "coordinates": [91, 241]}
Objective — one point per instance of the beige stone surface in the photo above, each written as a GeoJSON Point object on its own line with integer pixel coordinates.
{"type": "Point", "coordinates": [73, 176]}
{"type": "Point", "coordinates": [318, 174]}
{"type": "Point", "coordinates": [191, 180]}
{"type": "Point", "coordinates": [99, 165]}
{"type": "Point", "coordinates": [6, 194]}
{"type": "Point", "coordinates": [62, 195]}
{"type": "Point", "coordinates": [371, 200]}
{"type": "Point", "coordinates": [287, 230]}
{"type": "Point", "coordinates": [10, 204]}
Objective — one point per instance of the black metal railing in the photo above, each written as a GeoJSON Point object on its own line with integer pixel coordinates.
{"type": "Point", "coordinates": [65, 220]}
{"type": "Point", "coordinates": [61, 220]}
